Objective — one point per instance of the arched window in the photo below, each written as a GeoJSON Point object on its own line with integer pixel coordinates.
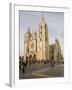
{"type": "Point", "coordinates": [45, 26]}
{"type": "Point", "coordinates": [27, 49]}
{"type": "Point", "coordinates": [41, 27]}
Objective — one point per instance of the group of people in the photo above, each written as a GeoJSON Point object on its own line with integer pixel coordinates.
{"type": "Point", "coordinates": [23, 65]}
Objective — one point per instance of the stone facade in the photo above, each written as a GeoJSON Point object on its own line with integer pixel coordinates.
{"type": "Point", "coordinates": [36, 45]}
{"type": "Point", "coordinates": [55, 52]}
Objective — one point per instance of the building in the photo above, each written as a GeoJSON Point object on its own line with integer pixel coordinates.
{"type": "Point", "coordinates": [36, 45]}
{"type": "Point", "coordinates": [55, 52]}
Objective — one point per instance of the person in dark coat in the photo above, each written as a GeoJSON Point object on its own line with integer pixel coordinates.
{"type": "Point", "coordinates": [52, 62]}
{"type": "Point", "coordinates": [23, 69]}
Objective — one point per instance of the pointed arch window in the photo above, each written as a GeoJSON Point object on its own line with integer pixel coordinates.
{"type": "Point", "coordinates": [41, 27]}
{"type": "Point", "coordinates": [45, 26]}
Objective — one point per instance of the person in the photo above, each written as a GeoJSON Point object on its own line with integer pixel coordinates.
{"type": "Point", "coordinates": [23, 69]}
{"type": "Point", "coordinates": [52, 62]}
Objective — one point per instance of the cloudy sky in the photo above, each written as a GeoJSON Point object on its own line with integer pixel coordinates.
{"type": "Point", "coordinates": [54, 20]}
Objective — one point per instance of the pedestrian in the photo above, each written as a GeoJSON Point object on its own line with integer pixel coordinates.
{"type": "Point", "coordinates": [52, 62]}
{"type": "Point", "coordinates": [23, 69]}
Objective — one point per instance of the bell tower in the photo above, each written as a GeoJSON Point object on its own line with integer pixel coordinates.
{"type": "Point", "coordinates": [26, 44]}
{"type": "Point", "coordinates": [43, 40]}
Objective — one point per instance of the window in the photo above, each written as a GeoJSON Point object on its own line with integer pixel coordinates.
{"type": "Point", "coordinates": [41, 32]}
{"type": "Point", "coordinates": [45, 26]}
{"type": "Point", "coordinates": [41, 27]}
{"type": "Point", "coordinates": [27, 49]}
{"type": "Point", "coordinates": [40, 39]}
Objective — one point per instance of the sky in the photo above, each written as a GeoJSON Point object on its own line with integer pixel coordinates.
{"type": "Point", "coordinates": [54, 20]}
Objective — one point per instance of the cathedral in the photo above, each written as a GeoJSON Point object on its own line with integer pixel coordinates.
{"type": "Point", "coordinates": [37, 47]}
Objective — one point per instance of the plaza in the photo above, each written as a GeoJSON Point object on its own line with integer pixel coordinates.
{"type": "Point", "coordinates": [41, 70]}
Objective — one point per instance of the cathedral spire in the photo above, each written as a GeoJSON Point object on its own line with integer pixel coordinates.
{"type": "Point", "coordinates": [28, 29]}
{"type": "Point", "coordinates": [42, 18]}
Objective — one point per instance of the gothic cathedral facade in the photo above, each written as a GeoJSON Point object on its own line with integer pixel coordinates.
{"type": "Point", "coordinates": [36, 45]}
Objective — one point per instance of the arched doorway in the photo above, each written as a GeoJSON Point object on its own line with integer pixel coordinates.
{"type": "Point", "coordinates": [52, 57]}
{"type": "Point", "coordinates": [26, 59]}
{"type": "Point", "coordinates": [34, 57]}
{"type": "Point", "coordinates": [30, 57]}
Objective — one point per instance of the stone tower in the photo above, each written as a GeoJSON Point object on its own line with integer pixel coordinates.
{"type": "Point", "coordinates": [26, 44]}
{"type": "Point", "coordinates": [58, 52]}
{"type": "Point", "coordinates": [42, 41]}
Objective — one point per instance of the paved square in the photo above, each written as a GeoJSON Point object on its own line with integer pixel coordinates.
{"type": "Point", "coordinates": [41, 70]}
